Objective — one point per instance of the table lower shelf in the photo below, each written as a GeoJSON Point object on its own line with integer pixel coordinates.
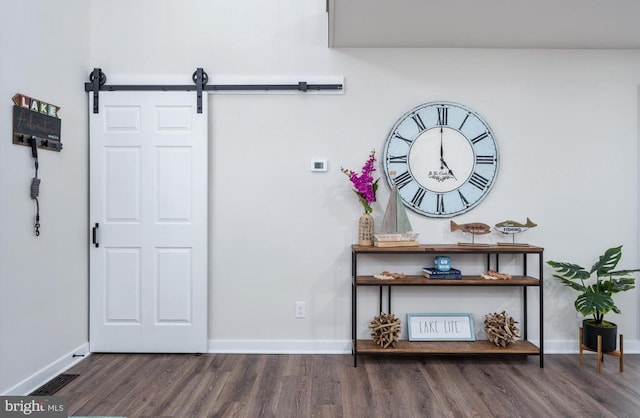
{"type": "Point", "coordinates": [448, 347]}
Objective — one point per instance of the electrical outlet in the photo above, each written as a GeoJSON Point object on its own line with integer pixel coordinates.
{"type": "Point", "coordinates": [301, 310]}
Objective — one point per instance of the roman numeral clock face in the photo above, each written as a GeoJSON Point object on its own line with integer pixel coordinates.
{"type": "Point", "coordinates": [443, 158]}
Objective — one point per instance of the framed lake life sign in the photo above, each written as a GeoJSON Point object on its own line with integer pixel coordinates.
{"type": "Point", "coordinates": [440, 327]}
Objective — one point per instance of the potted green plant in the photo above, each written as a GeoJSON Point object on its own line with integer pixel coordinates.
{"type": "Point", "coordinates": [595, 299]}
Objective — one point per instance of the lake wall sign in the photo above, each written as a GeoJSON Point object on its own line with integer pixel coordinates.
{"type": "Point", "coordinates": [33, 118]}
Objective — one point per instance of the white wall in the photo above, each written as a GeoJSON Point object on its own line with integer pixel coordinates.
{"type": "Point", "coordinates": [565, 121]}
{"type": "Point", "coordinates": [44, 47]}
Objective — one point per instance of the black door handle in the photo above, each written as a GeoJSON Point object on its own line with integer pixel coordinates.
{"type": "Point", "coordinates": [95, 235]}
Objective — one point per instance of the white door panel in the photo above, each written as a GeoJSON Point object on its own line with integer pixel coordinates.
{"type": "Point", "coordinates": [148, 289]}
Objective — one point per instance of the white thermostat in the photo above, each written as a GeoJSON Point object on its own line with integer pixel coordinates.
{"type": "Point", "coordinates": [318, 165]}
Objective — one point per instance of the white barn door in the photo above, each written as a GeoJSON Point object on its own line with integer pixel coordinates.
{"type": "Point", "coordinates": [148, 208]}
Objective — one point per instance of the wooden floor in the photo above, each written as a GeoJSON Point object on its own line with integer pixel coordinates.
{"type": "Point", "coordinates": [237, 385]}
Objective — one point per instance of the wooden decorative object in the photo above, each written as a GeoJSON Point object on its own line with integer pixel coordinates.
{"type": "Point", "coordinates": [395, 219]}
{"type": "Point", "coordinates": [365, 230]}
{"type": "Point", "coordinates": [473, 228]}
{"type": "Point", "coordinates": [387, 275]}
{"type": "Point", "coordinates": [396, 229]}
{"type": "Point", "coordinates": [512, 228]}
{"type": "Point", "coordinates": [501, 329]}
{"type": "Point", "coordinates": [494, 275]}
{"type": "Point", "coordinates": [385, 330]}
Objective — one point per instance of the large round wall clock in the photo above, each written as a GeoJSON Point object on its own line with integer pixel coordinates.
{"type": "Point", "coordinates": [442, 157]}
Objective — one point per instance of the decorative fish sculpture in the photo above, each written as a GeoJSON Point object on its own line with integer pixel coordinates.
{"type": "Point", "coordinates": [513, 227]}
{"type": "Point", "coordinates": [475, 228]}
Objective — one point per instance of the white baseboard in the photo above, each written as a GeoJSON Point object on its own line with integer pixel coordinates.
{"type": "Point", "coordinates": [280, 346]}
{"type": "Point", "coordinates": [344, 346]}
{"type": "Point", "coordinates": [571, 347]}
{"type": "Point", "coordinates": [47, 373]}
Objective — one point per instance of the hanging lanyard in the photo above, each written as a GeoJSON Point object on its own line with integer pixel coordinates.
{"type": "Point", "coordinates": [35, 183]}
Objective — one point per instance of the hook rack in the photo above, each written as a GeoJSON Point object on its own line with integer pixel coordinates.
{"type": "Point", "coordinates": [46, 144]}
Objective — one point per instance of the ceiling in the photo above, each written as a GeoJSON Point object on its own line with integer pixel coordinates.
{"type": "Point", "coordinates": [484, 23]}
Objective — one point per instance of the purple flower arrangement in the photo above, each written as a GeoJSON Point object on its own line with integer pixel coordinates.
{"type": "Point", "coordinates": [364, 185]}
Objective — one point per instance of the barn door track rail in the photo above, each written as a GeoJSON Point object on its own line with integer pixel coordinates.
{"type": "Point", "coordinates": [98, 79]}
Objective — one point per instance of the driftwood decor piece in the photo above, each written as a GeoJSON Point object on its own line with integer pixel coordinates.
{"type": "Point", "coordinates": [387, 275]}
{"type": "Point", "coordinates": [494, 275]}
{"type": "Point", "coordinates": [385, 330]}
{"type": "Point", "coordinates": [501, 329]}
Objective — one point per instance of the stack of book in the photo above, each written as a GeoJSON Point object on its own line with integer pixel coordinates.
{"type": "Point", "coordinates": [434, 273]}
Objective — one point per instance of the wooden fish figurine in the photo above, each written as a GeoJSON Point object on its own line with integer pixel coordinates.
{"type": "Point", "coordinates": [513, 227]}
{"type": "Point", "coordinates": [475, 228]}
